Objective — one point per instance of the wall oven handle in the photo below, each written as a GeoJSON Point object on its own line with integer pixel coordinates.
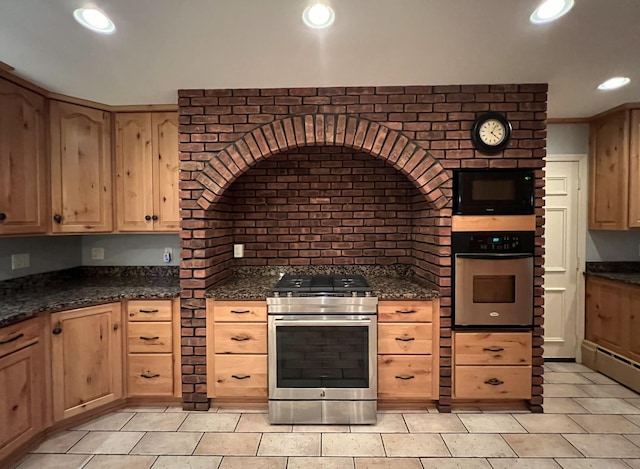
{"type": "Point", "coordinates": [493, 256]}
{"type": "Point", "coordinates": [405, 377]}
{"type": "Point", "coordinates": [494, 382]}
{"type": "Point", "coordinates": [405, 339]}
{"type": "Point", "coordinates": [493, 349]}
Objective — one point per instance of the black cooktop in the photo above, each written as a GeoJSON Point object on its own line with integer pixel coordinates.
{"type": "Point", "coordinates": [317, 285]}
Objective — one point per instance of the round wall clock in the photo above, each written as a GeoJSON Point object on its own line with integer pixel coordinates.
{"type": "Point", "coordinates": [491, 132]}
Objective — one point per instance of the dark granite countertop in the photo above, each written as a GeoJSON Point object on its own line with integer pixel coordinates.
{"type": "Point", "coordinates": [388, 283]}
{"type": "Point", "coordinates": [21, 299]}
{"type": "Point", "coordinates": [624, 272]}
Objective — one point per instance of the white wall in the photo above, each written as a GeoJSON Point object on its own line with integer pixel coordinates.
{"type": "Point", "coordinates": [46, 253]}
{"type": "Point", "coordinates": [600, 245]}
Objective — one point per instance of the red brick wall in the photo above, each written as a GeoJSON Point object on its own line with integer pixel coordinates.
{"type": "Point", "coordinates": [411, 134]}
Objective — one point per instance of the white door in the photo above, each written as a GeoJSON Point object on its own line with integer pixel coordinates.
{"type": "Point", "coordinates": [565, 232]}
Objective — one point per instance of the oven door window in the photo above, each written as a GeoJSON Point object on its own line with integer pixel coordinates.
{"type": "Point", "coordinates": [494, 288]}
{"type": "Point", "coordinates": [322, 356]}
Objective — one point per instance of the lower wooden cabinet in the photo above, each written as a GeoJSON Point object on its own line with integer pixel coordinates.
{"type": "Point", "coordinates": [86, 359]}
{"type": "Point", "coordinates": [22, 391]}
{"type": "Point", "coordinates": [151, 374]}
{"type": "Point", "coordinates": [405, 376]}
{"type": "Point", "coordinates": [492, 365]}
{"type": "Point", "coordinates": [241, 376]}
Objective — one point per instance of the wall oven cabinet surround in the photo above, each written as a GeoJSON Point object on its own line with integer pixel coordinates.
{"type": "Point", "coordinates": [322, 350]}
{"type": "Point", "coordinates": [23, 145]}
{"type": "Point", "coordinates": [81, 180]}
{"type": "Point", "coordinates": [493, 279]}
{"type": "Point", "coordinates": [147, 170]}
{"type": "Point", "coordinates": [493, 192]}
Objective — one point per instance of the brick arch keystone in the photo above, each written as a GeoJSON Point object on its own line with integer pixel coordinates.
{"type": "Point", "coordinates": [344, 130]}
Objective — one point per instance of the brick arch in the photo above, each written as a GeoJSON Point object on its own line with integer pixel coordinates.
{"type": "Point", "coordinates": [344, 130]}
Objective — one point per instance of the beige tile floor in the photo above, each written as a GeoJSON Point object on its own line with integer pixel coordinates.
{"type": "Point", "coordinates": [590, 421]}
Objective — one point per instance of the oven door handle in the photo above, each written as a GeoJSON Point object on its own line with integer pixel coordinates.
{"type": "Point", "coordinates": [494, 256]}
{"type": "Point", "coordinates": [323, 322]}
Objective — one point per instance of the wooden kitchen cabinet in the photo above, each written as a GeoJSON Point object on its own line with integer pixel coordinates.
{"type": "Point", "coordinates": [153, 345]}
{"type": "Point", "coordinates": [237, 349]}
{"type": "Point", "coordinates": [81, 178]}
{"type": "Point", "coordinates": [492, 365]}
{"type": "Point", "coordinates": [147, 172]}
{"type": "Point", "coordinates": [614, 171]}
{"type": "Point", "coordinates": [23, 169]}
{"type": "Point", "coordinates": [86, 359]}
{"type": "Point", "coordinates": [22, 390]}
{"type": "Point", "coordinates": [407, 350]}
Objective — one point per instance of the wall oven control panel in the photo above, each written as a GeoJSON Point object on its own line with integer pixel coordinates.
{"type": "Point", "coordinates": [499, 242]}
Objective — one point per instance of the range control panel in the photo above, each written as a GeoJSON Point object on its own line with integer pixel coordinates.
{"type": "Point", "coordinates": [496, 242]}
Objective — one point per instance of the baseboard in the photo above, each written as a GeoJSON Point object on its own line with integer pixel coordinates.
{"type": "Point", "coordinates": [611, 364]}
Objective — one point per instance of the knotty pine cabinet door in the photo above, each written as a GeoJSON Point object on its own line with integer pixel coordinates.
{"type": "Point", "coordinates": [86, 359]}
{"type": "Point", "coordinates": [23, 182]}
{"type": "Point", "coordinates": [147, 174]}
{"type": "Point", "coordinates": [607, 310]}
{"type": "Point", "coordinates": [634, 170]}
{"type": "Point", "coordinates": [81, 180]}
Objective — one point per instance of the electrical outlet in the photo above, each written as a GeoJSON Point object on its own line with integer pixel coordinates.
{"type": "Point", "coordinates": [238, 250]}
{"type": "Point", "coordinates": [97, 254]}
{"type": "Point", "coordinates": [168, 253]}
{"type": "Point", "coordinates": [20, 261]}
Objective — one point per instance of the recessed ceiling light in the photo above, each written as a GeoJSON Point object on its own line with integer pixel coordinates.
{"type": "Point", "coordinates": [614, 83]}
{"type": "Point", "coordinates": [94, 20]}
{"type": "Point", "coordinates": [550, 10]}
{"type": "Point", "coordinates": [318, 16]}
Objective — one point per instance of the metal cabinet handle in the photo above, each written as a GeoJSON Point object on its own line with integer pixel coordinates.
{"type": "Point", "coordinates": [57, 218]}
{"type": "Point", "coordinates": [407, 311]}
{"type": "Point", "coordinates": [149, 310]}
{"type": "Point", "coordinates": [493, 349]}
{"type": "Point", "coordinates": [12, 339]}
{"type": "Point", "coordinates": [150, 338]}
{"type": "Point", "coordinates": [405, 339]}
{"type": "Point", "coordinates": [494, 382]}
{"type": "Point", "coordinates": [154, 217]}
{"type": "Point", "coordinates": [241, 377]}
{"type": "Point", "coordinates": [240, 312]}
{"type": "Point", "coordinates": [147, 217]}
{"type": "Point", "coordinates": [240, 339]}
{"type": "Point", "coordinates": [149, 376]}
{"type": "Point", "coordinates": [405, 377]}
{"type": "Point", "coordinates": [57, 330]}
{"type": "Point", "coordinates": [3, 216]}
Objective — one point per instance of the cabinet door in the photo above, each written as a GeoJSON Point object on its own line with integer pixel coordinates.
{"type": "Point", "coordinates": [166, 171]}
{"type": "Point", "coordinates": [609, 172]}
{"type": "Point", "coordinates": [634, 324]}
{"type": "Point", "coordinates": [607, 309]}
{"type": "Point", "coordinates": [81, 180]}
{"type": "Point", "coordinates": [134, 178]}
{"type": "Point", "coordinates": [86, 356]}
{"type": "Point", "coordinates": [22, 391]}
{"type": "Point", "coordinates": [634, 171]}
{"type": "Point", "coordinates": [23, 184]}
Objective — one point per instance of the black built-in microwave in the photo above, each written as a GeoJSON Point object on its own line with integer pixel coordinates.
{"type": "Point", "coordinates": [493, 191]}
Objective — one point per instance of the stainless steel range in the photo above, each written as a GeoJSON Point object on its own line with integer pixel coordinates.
{"type": "Point", "coordinates": [322, 332]}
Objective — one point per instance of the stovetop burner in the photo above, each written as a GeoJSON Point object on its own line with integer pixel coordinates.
{"type": "Point", "coordinates": [319, 285]}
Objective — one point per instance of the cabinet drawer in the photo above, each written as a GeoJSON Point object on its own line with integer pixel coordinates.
{"type": "Point", "coordinates": [405, 311]}
{"type": "Point", "coordinates": [149, 310]}
{"type": "Point", "coordinates": [405, 338]}
{"type": "Point", "coordinates": [240, 311]}
{"type": "Point", "coordinates": [405, 376]}
{"type": "Point", "coordinates": [149, 337]}
{"type": "Point", "coordinates": [20, 335]}
{"type": "Point", "coordinates": [241, 375]}
{"type": "Point", "coordinates": [240, 338]}
{"type": "Point", "coordinates": [499, 348]}
{"type": "Point", "coordinates": [151, 374]}
{"type": "Point", "coordinates": [492, 382]}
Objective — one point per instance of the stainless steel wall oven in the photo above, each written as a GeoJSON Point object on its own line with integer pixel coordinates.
{"type": "Point", "coordinates": [493, 279]}
{"type": "Point", "coordinates": [322, 334]}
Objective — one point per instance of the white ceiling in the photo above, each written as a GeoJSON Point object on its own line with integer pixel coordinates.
{"type": "Point", "coordinates": [164, 45]}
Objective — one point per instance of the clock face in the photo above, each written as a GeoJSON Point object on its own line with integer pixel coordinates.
{"type": "Point", "coordinates": [492, 132]}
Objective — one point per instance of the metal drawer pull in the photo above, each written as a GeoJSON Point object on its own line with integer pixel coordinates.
{"type": "Point", "coordinates": [494, 382]}
{"type": "Point", "coordinates": [405, 377]}
{"type": "Point", "coordinates": [407, 311]}
{"type": "Point", "coordinates": [149, 310]}
{"type": "Point", "coordinates": [493, 349]}
{"type": "Point", "coordinates": [12, 339]}
{"type": "Point", "coordinates": [240, 339]}
{"type": "Point", "coordinates": [149, 376]}
{"type": "Point", "coordinates": [150, 338]}
{"type": "Point", "coordinates": [405, 339]}
{"type": "Point", "coordinates": [241, 377]}
{"type": "Point", "coordinates": [241, 312]}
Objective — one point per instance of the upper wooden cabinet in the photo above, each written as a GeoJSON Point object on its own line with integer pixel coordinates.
{"type": "Point", "coordinates": [147, 171]}
{"type": "Point", "coordinates": [81, 180]}
{"type": "Point", "coordinates": [614, 193]}
{"type": "Point", "coordinates": [23, 182]}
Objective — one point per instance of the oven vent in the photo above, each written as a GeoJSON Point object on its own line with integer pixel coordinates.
{"type": "Point", "coordinates": [609, 363]}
